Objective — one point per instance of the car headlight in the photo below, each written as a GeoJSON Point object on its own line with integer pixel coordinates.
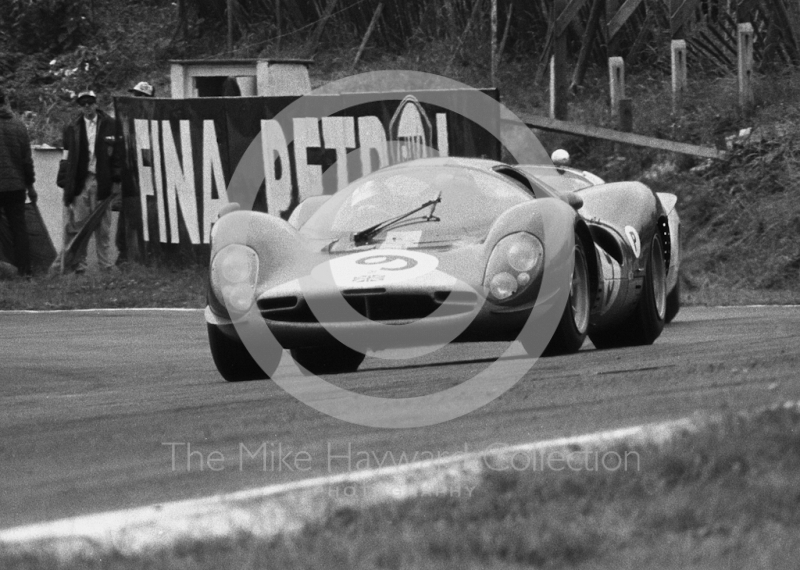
{"type": "Point", "coordinates": [513, 265]}
{"type": "Point", "coordinates": [234, 272]}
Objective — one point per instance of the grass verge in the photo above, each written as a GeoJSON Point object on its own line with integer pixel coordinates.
{"type": "Point", "coordinates": [132, 286]}
{"type": "Point", "coordinates": [725, 496]}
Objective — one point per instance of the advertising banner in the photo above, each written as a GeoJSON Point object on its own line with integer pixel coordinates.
{"type": "Point", "coordinates": [180, 154]}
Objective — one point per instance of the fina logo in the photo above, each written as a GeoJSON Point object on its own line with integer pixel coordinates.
{"type": "Point", "coordinates": [411, 130]}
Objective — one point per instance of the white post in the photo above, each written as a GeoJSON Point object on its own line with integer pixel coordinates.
{"type": "Point", "coordinates": [745, 42]}
{"type": "Point", "coordinates": [262, 77]}
{"type": "Point", "coordinates": [178, 81]}
{"type": "Point", "coordinates": [247, 86]}
{"type": "Point", "coordinates": [679, 73]}
{"type": "Point", "coordinates": [616, 73]}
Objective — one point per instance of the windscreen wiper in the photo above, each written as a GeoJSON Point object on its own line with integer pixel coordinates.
{"type": "Point", "coordinates": [363, 236]}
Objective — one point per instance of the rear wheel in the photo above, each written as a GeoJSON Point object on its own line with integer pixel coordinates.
{"type": "Point", "coordinates": [673, 302]}
{"type": "Point", "coordinates": [233, 360]}
{"type": "Point", "coordinates": [644, 326]}
{"type": "Point", "coordinates": [649, 316]}
{"type": "Point", "coordinates": [329, 359]}
{"type": "Point", "coordinates": [574, 324]}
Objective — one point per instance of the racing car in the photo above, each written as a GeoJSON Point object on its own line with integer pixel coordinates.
{"type": "Point", "coordinates": [456, 247]}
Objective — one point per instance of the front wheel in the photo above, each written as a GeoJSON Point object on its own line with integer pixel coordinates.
{"type": "Point", "coordinates": [233, 360]}
{"type": "Point", "coordinates": [574, 324]}
{"type": "Point", "coordinates": [328, 360]}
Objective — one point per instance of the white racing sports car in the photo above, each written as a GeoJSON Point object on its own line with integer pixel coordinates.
{"type": "Point", "coordinates": [447, 244]}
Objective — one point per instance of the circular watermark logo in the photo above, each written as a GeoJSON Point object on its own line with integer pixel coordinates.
{"type": "Point", "coordinates": [325, 286]}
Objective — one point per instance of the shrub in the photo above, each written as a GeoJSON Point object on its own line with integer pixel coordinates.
{"type": "Point", "coordinates": [49, 26]}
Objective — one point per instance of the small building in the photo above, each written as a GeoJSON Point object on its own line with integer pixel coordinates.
{"type": "Point", "coordinates": [239, 77]}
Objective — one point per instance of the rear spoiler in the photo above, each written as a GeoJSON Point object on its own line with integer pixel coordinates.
{"type": "Point", "coordinates": [668, 201]}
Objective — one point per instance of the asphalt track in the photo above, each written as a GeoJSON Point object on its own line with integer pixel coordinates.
{"type": "Point", "coordinates": [93, 404]}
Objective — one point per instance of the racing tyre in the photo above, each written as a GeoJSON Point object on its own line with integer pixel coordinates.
{"type": "Point", "coordinates": [673, 302]}
{"type": "Point", "coordinates": [644, 326]}
{"type": "Point", "coordinates": [574, 324]}
{"type": "Point", "coordinates": [328, 360]}
{"type": "Point", "coordinates": [233, 359]}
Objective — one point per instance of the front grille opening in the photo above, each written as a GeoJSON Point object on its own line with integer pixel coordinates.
{"type": "Point", "coordinates": [277, 303]}
{"type": "Point", "coordinates": [377, 306]}
{"type": "Point", "coordinates": [358, 303]}
{"type": "Point", "coordinates": [399, 307]}
{"type": "Point", "coordinates": [375, 291]}
{"type": "Point", "coordinates": [456, 297]}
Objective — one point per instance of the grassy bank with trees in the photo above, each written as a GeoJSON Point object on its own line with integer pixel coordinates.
{"type": "Point", "coordinates": [740, 215]}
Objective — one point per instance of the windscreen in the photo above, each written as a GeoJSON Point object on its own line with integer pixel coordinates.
{"type": "Point", "coordinates": [471, 200]}
{"type": "Point", "coordinates": [563, 180]}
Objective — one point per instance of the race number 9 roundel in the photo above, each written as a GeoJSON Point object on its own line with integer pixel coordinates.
{"type": "Point", "coordinates": [633, 238]}
{"type": "Point", "coordinates": [377, 267]}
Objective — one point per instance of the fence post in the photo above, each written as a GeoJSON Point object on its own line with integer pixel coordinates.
{"type": "Point", "coordinates": [626, 115]}
{"type": "Point", "coordinates": [679, 73]}
{"type": "Point", "coordinates": [616, 76]}
{"type": "Point", "coordinates": [745, 49]}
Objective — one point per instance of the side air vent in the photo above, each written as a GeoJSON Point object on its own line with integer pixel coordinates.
{"type": "Point", "coordinates": [608, 242]}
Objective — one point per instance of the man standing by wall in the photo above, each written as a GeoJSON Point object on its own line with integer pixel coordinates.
{"type": "Point", "coordinates": [16, 177]}
{"type": "Point", "coordinates": [86, 173]}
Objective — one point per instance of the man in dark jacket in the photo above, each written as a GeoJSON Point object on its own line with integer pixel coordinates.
{"type": "Point", "coordinates": [87, 173]}
{"type": "Point", "coordinates": [16, 177]}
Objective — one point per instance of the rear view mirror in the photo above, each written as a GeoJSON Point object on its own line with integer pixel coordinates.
{"type": "Point", "coordinates": [574, 200]}
{"type": "Point", "coordinates": [560, 157]}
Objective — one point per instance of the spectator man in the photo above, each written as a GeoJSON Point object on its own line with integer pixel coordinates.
{"type": "Point", "coordinates": [16, 178]}
{"type": "Point", "coordinates": [87, 172]}
{"type": "Point", "coordinates": [129, 207]}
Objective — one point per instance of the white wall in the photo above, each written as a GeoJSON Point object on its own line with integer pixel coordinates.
{"type": "Point", "coordinates": [45, 165]}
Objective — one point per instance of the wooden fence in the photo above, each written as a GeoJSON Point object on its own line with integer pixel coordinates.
{"type": "Point", "coordinates": [627, 28]}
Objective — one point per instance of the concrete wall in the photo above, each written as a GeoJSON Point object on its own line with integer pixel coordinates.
{"type": "Point", "coordinates": [45, 164]}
